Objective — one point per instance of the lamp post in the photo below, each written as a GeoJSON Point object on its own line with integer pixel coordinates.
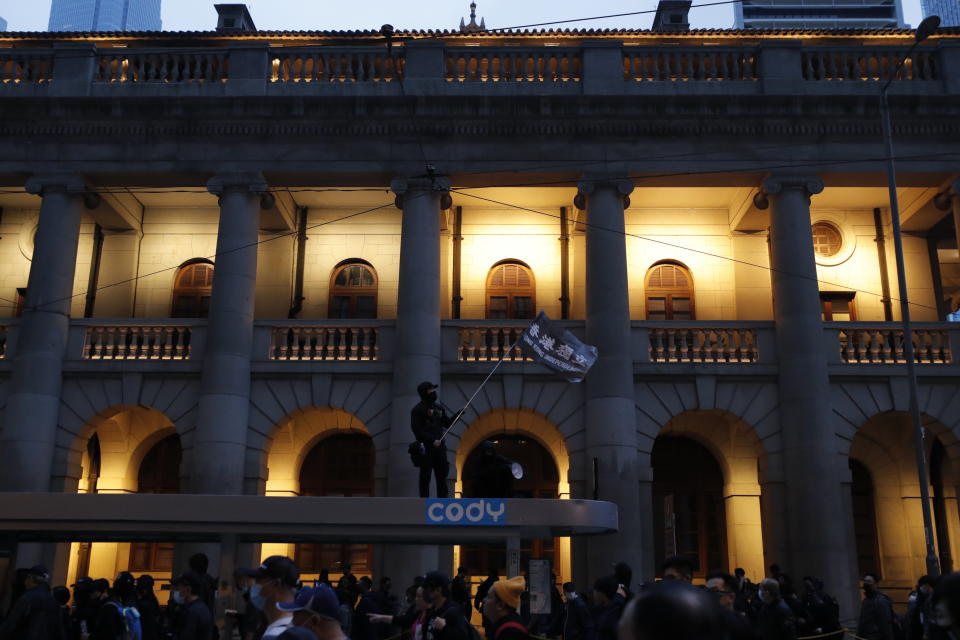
{"type": "Point", "coordinates": [924, 31]}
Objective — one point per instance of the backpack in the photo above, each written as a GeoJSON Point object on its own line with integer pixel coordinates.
{"type": "Point", "coordinates": [131, 622]}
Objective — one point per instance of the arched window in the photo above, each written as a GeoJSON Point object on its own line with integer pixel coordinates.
{"type": "Point", "coordinates": [669, 292]}
{"type": "Point", "coordinates": [159, 473]}
{"type": "Point", "coordinates": [511, 292]}
{"type": "Point", "coordinates": [864, 518]}
{"type": "Point", "coordinates": [192, 290]}
{"type": "Point", "coordinates": [340, 465]}
{"type": "Point", "coordinates": [688, 509]}
{"type": "Point", "coordinates": [353, 291]}
{"type": "Point", "coordinates": [541, 479]}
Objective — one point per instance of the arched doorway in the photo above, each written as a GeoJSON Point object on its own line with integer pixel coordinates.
{"type": "Point", "coordinates": [669, 292]}
{"type": "Point", "coordinates": [159, 473]}
{"type": "Point", "coordinates": [688, 508]}
{"type": "Point", "coordinates": [339, 465]}
{"type": "Point", "coordinates": [192, 289]}
{"type": "Point", "coordinates": [511, 291]}
{"type": "Point", "coordinates": [864, 518]}
{"type": "Point", "coordinates": [353, 291]}
{"type": "Point", "coordinates": [541, 479]}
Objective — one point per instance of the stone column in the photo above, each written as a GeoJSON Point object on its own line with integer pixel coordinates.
{"type": "Point", "coordinates": [28, 438]}
{"type": "Point", "coordinates": [219, 446]}
{"type": "Point", "coordinates": [612, 457]}
{"type": "Point", "coordinates": [417, 348]}
{"type": "Point", "coordinates": [955, 209]}
{"type": "Point", "coordinates": [813, 470]}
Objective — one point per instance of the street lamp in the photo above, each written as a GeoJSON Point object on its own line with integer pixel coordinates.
{"type": "Point", "coordinates": [924, 31]}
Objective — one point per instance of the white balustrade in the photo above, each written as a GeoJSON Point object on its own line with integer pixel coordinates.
{"type": "Point", "coordinates": [162, 66]}
{"type": "Point", "coordinates": [25, 68]}
{"type": "Point", "coordinates": [865, 64]}
{"type": "Point", "coordinates": [490, 343]}
{"type": "Point", "coordinates": [135, 342]}
{"type": "Point", "coordinates": [878, 345]}
{"type": "Point", "coordinates": [323, 343]}
{"type": "Point", "coordinates": [322, 64]}
{"type": "Point", "coordinates": [678, 64]}
{"type": "Point", "coordinates": [514, 64]}
{"type": "Point", "coordinates": [715, 345]}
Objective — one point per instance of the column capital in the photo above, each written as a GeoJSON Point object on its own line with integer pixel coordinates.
{"type": "Point", "coordinates": [400, 186]}
{"type": "Point", "coordinates": [40, 183]}
{"type": "Point", "coordinates": [403, 186]}
{"type": "Point", "coordinates": [590, 183]}
{"type": "Point", "coordinates": [248, 182]}
{"type": "Point", "coordinates": [777, 183]}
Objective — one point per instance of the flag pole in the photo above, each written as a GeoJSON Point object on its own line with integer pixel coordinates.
{"type": "Point", "coordinates": [485, 380]}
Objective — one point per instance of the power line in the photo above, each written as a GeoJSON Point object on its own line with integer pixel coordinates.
{"type": "Point", "coordinates": [698, 251]}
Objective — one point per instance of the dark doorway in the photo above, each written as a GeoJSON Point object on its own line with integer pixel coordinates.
{"type": "Point", "coordinates": [864, 518]}
{"type": "Point", "coordinates": [541, 479]}
{"type": "Point", "coordinates": [159, 473]}
{"type": "Point", "coordinates": [688, 507]}
{"type": "Point", "coordinates": [339, 465]}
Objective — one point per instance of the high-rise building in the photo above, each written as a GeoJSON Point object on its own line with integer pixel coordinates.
{"type": "Point", "coordinates": [105, 15]}
{"type": "Point", "coordinates": [820, 14]}
{"type": "Point", "coordinates": [948, 10]}
{"type": "Point", "coordinates": [3, 24]}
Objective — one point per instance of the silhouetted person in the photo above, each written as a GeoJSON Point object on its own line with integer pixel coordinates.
{"type": "Point", "coordinates": [671, 610]}
{"type": "Point", "coordinates": [876, 611]}
{"type": "Point", "coordinates": [492, 477]}
{"type": "Point", "coordinates": [429, 421]}
{"type": "Point", "coordinates": [35, 614]}
{"type": "Point", "coordinates": [577, 621]}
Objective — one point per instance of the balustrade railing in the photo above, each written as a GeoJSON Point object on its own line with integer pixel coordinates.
{"type": "Point", "coordinates": [162, 66]}
{"type": "Point", "coordinates": [715, 345]}
{"type": "Point", "coordinates": [25, 68]}
{"type": "Point", "coordinates": [884, 345]}
{"type": "Point", "coordinates": [490, 343]}
{"type": "Point", "coordinates": [863, 64]}
{"type": "Point", "coordinates": [137, 342]}
{"type": "Point", "coordinates": [319, 64]}
{"type": "Point", "coordinates": [682, 64]}
{"type": "Point", "coordinates": [509, 64]}
{"type": "Point", "coordinates": [322, 343]}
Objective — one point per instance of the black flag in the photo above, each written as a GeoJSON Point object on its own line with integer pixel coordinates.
{"type": "Point", "coordinates": [557, 348]}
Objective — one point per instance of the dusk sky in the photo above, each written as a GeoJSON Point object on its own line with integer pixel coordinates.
{"type": "Point", "coordinates": [188, 15]}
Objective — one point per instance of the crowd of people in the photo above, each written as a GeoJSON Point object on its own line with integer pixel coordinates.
{"type": "Point", "coordinates": [270, 602]}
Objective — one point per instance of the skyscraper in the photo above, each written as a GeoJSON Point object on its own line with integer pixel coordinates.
{"type": "Point", "coordinates": [105, 15]}
{"type": "Point", "coordinates": [820, 14]}
{"type": "Point", "coordinates": [948, 10]}
{"type": "Point", "coordinates": [3, 24]}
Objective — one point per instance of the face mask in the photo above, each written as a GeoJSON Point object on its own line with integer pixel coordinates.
{"type": "Point", "coordinates": [432, 396]}
{"type": "Point", "coordinates": [257, 599]}
{"type": "Point", "coordinates": [178, 597]}
{"type": "Point", "coordinates": [761, 594]}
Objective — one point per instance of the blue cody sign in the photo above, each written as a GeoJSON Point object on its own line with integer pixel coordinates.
{"type": "Point", "coordinates": [467, 511]}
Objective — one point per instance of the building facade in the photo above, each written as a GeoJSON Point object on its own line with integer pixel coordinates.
{"type": "Point", "coordinates": [3, 24]}
{"type": "Point", "coordinates": [949, 12]}
{"type": "Point", "coordinates": [229, 264]}
{"type": "Point", "coordinates": [814, 14]}
{"type": "Point", "coordinates": [105, 15]}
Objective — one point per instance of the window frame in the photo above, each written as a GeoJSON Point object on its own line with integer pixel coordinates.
{"type": "Point", "coordinates": [191, 292]}
{"type": "Point", "coordinates": [510, 293]}
{"type": "Point", "coordinates": [354, 293]}
{"type": "Point", "coordinates": [827, 298]}
{"type": "Point", "coordinates": [669, 293]}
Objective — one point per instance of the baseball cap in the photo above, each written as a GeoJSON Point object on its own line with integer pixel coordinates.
{"type": "Point", "coordinates": [320, 600]}
{"type": "Point", "coordinates": [425, 386]}
{"type": "Point", "coordinates": [83, 583]}
{"type": "Point", "coordinates": [279, 568]}
{"type": "Point", "coordinates": [190, 579]}
{"type": "Point", "coordinates": [38, 571]}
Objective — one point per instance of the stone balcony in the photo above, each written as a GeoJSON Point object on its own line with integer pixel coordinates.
{"type": "Point", "coordinates": [471, 346]}
{"type": "Point", "coordinates": [433, 66]}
